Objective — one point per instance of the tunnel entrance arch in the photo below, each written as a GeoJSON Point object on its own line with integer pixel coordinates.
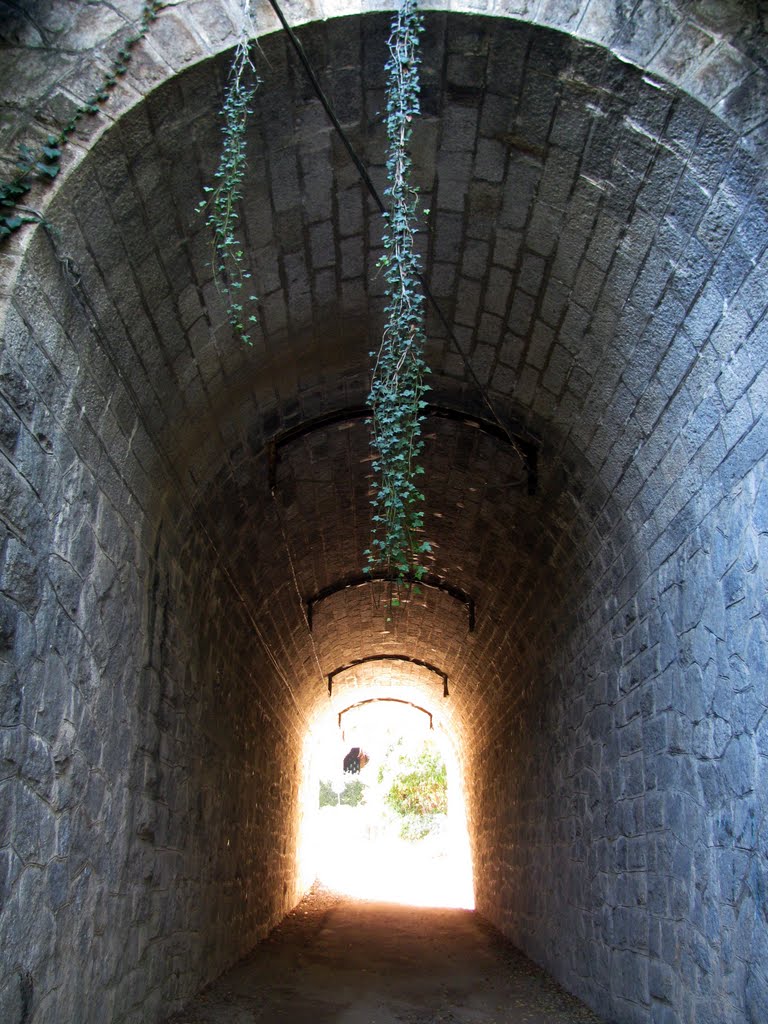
{"type": "Point", "coordinates": [368, 850]}
{"type": "Point", "coordinates": [598, 240]}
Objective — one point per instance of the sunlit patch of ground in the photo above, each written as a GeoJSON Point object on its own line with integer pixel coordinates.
{"type": "Point", "coordinates": [358, 856]}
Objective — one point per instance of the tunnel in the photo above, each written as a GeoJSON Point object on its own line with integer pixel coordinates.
{"type": "Point", "coordinates": [185, 517]}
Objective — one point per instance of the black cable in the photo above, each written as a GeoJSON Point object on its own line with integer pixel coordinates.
{"type": "Point", "coordinates": [327, 106]}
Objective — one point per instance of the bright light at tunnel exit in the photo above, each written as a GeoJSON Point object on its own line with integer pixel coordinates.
{"type": "Point", "coordinates": [349, 849]}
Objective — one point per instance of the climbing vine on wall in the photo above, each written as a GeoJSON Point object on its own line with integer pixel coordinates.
{"type": "Point", "coordinates": [228, 255]}
{"type": "Point", "coordinates": [398, 385]}
{"type": "Point", "coordinates": [43, 164]}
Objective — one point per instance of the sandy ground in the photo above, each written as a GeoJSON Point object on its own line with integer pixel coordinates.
{"type": "Point", "coordinates": [340, 960]}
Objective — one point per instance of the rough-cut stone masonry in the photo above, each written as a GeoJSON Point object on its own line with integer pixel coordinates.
{"type": "Point", "coordinates": [54, 55]}
{"type": "Point", "coordinates": [597, 238]}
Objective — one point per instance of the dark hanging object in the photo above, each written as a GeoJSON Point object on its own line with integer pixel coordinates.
{"type": "Point", "coordinates": [355, 760]}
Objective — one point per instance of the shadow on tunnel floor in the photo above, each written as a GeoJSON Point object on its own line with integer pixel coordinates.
{"type": "Point", "coordinates": [338, 960]}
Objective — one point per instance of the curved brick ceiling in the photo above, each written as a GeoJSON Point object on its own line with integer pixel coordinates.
{"type": "Point", "coordinates": [576, 210]}
{"type": "Point", "coordinates": [515, 202]}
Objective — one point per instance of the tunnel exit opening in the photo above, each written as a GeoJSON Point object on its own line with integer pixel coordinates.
{"type": "Point", "coordinates": [394, 827]}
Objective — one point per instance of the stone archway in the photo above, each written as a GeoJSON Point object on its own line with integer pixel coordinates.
{"type": "Point", "coordinates": [596, 240]}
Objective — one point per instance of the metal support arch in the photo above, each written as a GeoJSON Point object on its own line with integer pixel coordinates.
{"type": "Point", "coordinates": [387, 700]}
{"type": "Point", "coordinates": [526, 444]}
{"type": "Point", "coordinates": [388, 657]}
{"type": "Point", "coordinates": [361, 579]}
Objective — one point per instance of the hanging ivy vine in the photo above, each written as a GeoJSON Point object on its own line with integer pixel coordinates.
{"type": "Point", "coordinates": [228, 252]}
{"type": "Point", "coordinates": [43, 164]}
{"type": "Point", "coordinates": [398, 385]}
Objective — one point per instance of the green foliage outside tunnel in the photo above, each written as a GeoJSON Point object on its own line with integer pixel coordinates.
{"type": "Point", "coordinates": [417, 789]}
{"type": "Point", "coordinates": [353, 794]}
{"type": "Point", "coordinates": [410, 787]}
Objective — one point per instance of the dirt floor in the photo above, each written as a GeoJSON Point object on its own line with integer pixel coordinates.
{"type": "Point", "coordinates": [336, 960]}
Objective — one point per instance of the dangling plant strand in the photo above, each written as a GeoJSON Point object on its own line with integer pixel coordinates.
{"type": "Point", "coordinates": [228, 257]}
{"type": "Point", "coordinates": [398, 386]}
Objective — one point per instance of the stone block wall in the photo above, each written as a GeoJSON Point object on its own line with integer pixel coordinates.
{"type": "Point", "coordinates": [621, 834]}
{"type": "Point", "coordinates": [149, 771]}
